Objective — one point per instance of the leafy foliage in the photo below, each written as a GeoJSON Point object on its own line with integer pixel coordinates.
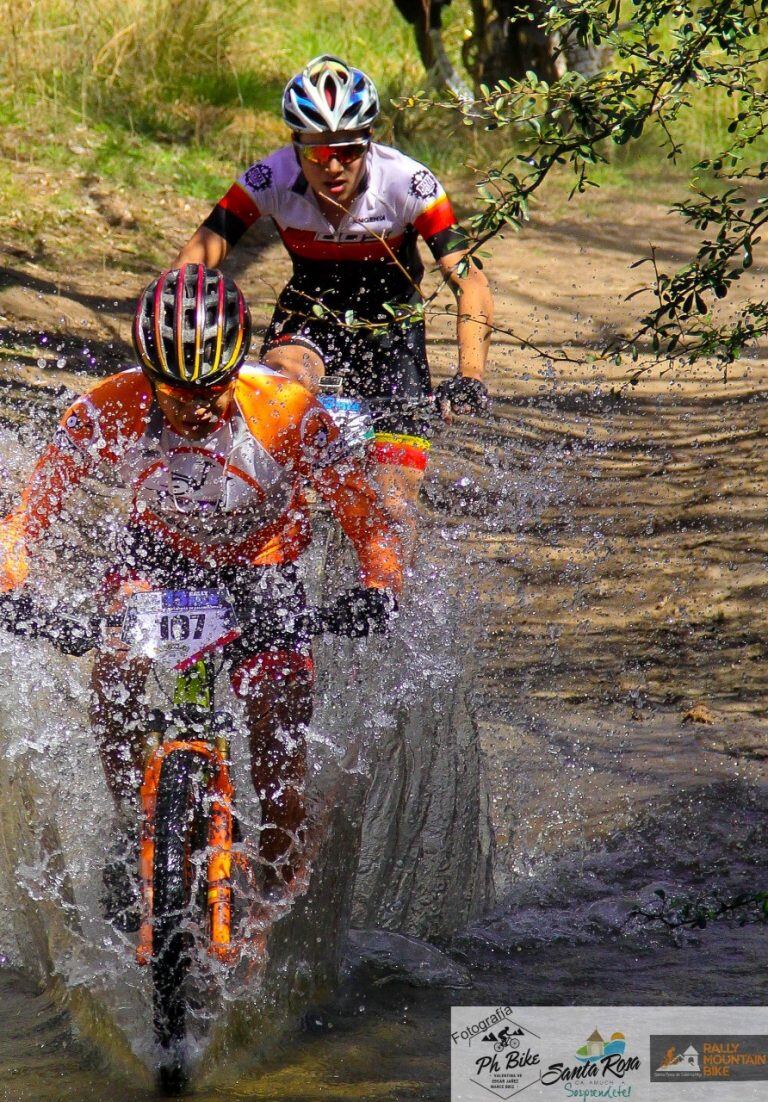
{"type": "Point", "coordinates": [666, 55]}
{"type": "Point", "coordinates": [696, 912]}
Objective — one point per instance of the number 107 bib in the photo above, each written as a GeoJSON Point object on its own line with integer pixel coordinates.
{"type": "Point", "coordinates": [176, 627]}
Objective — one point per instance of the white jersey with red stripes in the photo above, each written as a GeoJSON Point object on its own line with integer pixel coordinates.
{"type": "Point", "coordinates": [396, 193]}
{"type": "Point", "coordinates": [370, 258]}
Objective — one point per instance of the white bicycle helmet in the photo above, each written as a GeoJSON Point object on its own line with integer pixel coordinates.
{"type": "Point", "coordinates": [329, 95]}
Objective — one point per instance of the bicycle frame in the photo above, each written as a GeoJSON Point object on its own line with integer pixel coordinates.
{"type": "Point", "coordinates": [194, 689]}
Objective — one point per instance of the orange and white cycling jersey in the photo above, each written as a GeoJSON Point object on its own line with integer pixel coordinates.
{"type": "Point", "coordinates": [233, 498]}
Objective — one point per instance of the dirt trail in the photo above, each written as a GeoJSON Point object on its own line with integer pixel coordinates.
{"type": "Point", "coordinates": [624, 669]}
{"type": "Point", "coordinates": [623, 577]}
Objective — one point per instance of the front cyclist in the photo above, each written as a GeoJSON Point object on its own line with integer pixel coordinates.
{"type": "Point", "coordinates": [214, 454]}
{"type": "Point", "coordinates": [349, 212]}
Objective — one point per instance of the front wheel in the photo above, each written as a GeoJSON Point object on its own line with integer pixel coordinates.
{"type": "Point", "coordinates": [179, 833]}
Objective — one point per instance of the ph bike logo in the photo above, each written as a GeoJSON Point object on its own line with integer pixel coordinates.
{"type": "Point", "coordinates": [509, 1061]}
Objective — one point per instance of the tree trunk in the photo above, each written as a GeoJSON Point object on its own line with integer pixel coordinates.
{"type": "Point", "coordinates": [512, 46]}
{"type": "Point", "coordinates": [502, 46]}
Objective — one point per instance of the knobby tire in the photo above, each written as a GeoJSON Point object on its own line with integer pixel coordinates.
{"type": "Point", "coordinates": [179, 831]}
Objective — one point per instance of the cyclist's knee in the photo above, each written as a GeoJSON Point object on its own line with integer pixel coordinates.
{"type": "Point", "coordinates": [273, 675]}
{"type": "Point", "coordinates": [297, 361]}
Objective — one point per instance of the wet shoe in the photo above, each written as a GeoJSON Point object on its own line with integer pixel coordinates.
{"type": "Point", "coordinates": [120, 897]}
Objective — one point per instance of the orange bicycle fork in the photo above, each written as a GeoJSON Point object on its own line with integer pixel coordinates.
{"type": "Point", "coordinates": [220, 824]}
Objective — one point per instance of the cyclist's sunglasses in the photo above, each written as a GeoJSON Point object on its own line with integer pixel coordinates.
{"type": "Point", "coordinates": [345, 152]}
{"type": "Point", "coordinates": [188, 393]}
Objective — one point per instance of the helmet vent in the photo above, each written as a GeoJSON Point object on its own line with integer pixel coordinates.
{"type": "Point", "coordinates": [329, 95]}
{"type": "Point", "coordinates": [192, 326]}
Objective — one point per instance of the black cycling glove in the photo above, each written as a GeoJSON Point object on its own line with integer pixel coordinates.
{"type": "Point", "coordinates": [464, 395]}
{"type": "Point", "coordinates": [19, 615]}
{"type": "Point", "coordinates": [355, 612]}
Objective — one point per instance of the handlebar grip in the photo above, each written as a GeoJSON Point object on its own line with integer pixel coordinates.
{"type": "Point", "coordinates": [71, 636]}
{"type": "Point", "coordinates": [356, 613]}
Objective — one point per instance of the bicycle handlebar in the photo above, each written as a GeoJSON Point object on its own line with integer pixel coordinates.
{"type": "Point", "coordinates": [72, 636]}
{"type": "Point", "coordinates": [20, 616]}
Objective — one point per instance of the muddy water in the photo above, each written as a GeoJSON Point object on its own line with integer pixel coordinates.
{"type": "Point", "coordinates": [619, 550]}
{"type": "Point", "coordinates": [366, 1050]}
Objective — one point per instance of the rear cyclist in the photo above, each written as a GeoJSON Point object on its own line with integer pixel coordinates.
{"type": "Point", "coordinates": [349, 212]}
{"type": "Point", "coordinates": [215, 454]}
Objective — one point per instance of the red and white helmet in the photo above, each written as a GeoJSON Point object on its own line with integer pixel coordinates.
{"type": "Point", "coordinates": [329, 95]}
{"type": "Point", "coordinates": [192, 327]}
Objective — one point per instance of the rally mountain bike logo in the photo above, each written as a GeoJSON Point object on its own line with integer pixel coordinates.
{"type": "Point", "coordinates": [680, 1061]}
{"type": "Point", "coordinates": [703, 1057]}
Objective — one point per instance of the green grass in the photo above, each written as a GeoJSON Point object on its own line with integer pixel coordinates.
{"type": "Point", "coordinates": [181, 93]}
{"type": "Point", "coordinates": [163, 93]}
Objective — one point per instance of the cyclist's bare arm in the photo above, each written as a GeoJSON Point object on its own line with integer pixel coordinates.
{"type": "Point", "coordinates": [204, 247]}
{"type": "Point", "coordinates": [355, 504]}
{"type": "Point", "coordinates": [474, 315]}
{"type": "Point", "coordinates": [344, 486]}
{"type": "Point", "coordinates": [297, 362]}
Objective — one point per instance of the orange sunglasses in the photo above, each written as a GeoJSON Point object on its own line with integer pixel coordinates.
{"type": "Point", "coordinates": [345, 152]}
{"type": "Point", "coordinates": [187, 393]}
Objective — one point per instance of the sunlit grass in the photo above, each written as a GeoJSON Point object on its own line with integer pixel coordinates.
{"type": "Point", "coordinates": [153, 93]}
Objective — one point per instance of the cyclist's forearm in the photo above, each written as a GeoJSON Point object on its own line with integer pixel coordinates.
{"type": "Point", "coordinates": [355, 505]}
{"type": "Point", "coordinates": [53, 479]}
{"type": "Point", "coordinates": [474, 317]}
{"type": "Point", "coordinates": [381, 563]}
{"type": "Point", "coordinates": [204, 247]}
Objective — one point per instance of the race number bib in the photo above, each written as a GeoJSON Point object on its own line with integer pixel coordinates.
{"type": "Point", "coordinates": [175, 627]}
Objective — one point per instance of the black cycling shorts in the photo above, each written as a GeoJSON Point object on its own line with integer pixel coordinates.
{"type": "Point", "coordinates": [387, 367]}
